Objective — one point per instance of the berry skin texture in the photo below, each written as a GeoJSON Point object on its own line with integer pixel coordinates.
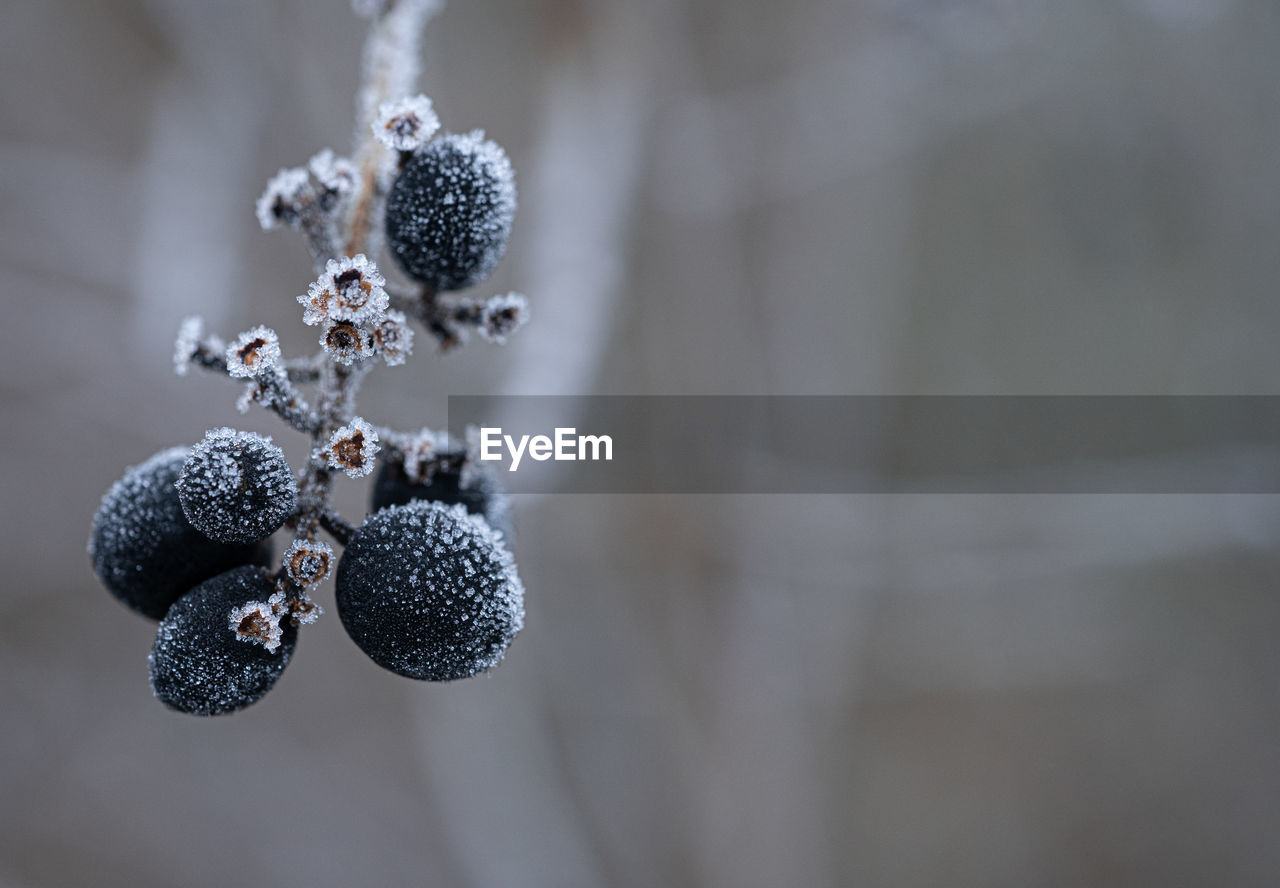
{"type": "Point", "coordinates": [481, 495]}
{"type": "Point", "coordinates": [449, 211]}
{"type": "Point", "coordinates": [237, 487]}
{"type": "Point", "coordinates": [143, 548]}
{"type": "Point", "coordinates": [429, 592]}
{"type": "Point", "coordinates": [198, 664]}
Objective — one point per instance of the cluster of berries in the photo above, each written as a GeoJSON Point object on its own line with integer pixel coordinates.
{"type": "Point", "coordinates": [426, 584]}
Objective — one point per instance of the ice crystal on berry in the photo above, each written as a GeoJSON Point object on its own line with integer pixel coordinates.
{"type": "Point", "coordinates": [406, 124]}
{"type": "Point", "coordinates": [254, 352]}
{"type": "Point", "coordinates": [352, 448]}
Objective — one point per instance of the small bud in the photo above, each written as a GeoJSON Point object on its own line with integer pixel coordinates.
{"type": "Point", "coordinates": [285, 198]}
{"type": "Point", "coordinates": [406, 124]}
{"type": "Point", "coordinates": [254, 352]}
{"type": "Point", "coordinates": [352, 448]}
{"type": "Point", "coordinates": [503, 315]}
{"type": "Point", "coordinates": [393, 338]}
{"type": "Point", "coordinates": [333, 177]}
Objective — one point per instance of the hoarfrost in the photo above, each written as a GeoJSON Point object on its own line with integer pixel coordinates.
{"type": "Point", "coordinates": [393, 338]}
{"type": "Point", "coordinates": [308, 562]}
{"type": "Point", "coordinates": [442, 617]}
{"type": "Point", "coordinates": [236, 487]}
{"type": "Point", "coordinates": [253, 352]}
{"type": "Point", "coordinates": [352, 448]}
{"type": "Point", "coordinates": [503, 315]}
{"type": "Point", "coordinates": [283, 200]}
{"type": "Point", "coordinates": [346, 343]}
{"type": "Point", "coordinates": [351, 290]}
{"type": "Point", "coordinates": [406, 124]}
{"type": "Point", "coordinates": [187, 343]}
{"type": "Point", "coordinates": [259, 622]}
{"type": "Point", "coordinates": [335, 177]}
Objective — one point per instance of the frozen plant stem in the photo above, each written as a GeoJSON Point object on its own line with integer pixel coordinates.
{"type": "Point", "coordinates": [425, 585]}
{"type": "Point", "coordinates": [389, 71]}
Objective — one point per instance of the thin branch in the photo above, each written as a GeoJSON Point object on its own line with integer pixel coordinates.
{"type": "Point", "coordinates": [337, 527]}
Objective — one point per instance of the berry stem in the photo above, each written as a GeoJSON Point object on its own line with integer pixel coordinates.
{"type": "Point", "coordinates": [338, 527]}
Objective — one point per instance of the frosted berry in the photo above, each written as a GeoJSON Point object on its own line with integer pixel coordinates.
{"type": "Point", "coordinates": [143, 548]}
{"type": "Point", "coordinates": [237, 487]}
{"type": "Point", "coordinates": [449, 211]}
{"type": "Point", "coordinates": [480, 494]}
{"type": "Point", "coordinates": [429, 592]}
{"type": "Point", "coordinates": [200, 664]}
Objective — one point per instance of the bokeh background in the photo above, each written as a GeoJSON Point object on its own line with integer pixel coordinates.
{"type": "Point", "coordinates": [717, 196]}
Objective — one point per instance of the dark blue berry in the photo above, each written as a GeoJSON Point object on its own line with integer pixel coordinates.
{"type": "Point", "coordinates": [429, 592]}
{"type": "Point", "coordinates": [200, 664]}
{"type": "Point", "coordinates": [143, 548]}
{"type": "Point", "coordinates": [237, 487]}
{"type": "Point", "coordinates": [481, 495]}
{"type": "Point", "coordinates": [449, 211]}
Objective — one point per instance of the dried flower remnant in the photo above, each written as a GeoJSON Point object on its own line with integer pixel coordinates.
{"type": "Point", "coordinates": [285, 199]}
{"type": "Point", "coordinates": [502, 316]}
{"type": "Point", "coordinates": [302, 610]}
{"type": "Point", "coordinates": [393, 339]}
{"type": "Point", "coordinates": [346, 343]}
{"type": "Point", "coordinates": [259, 621]}
{"type": "Point", "coordinates": [351, 289]}
{"type": "Point", "coordinates": [334, 178]}
{"type": "Point", "coordinates": [254, 352]}
{"type": "Point", "coordinates": [406, 124]}
{"type": "Point", "coordinates": [308, 562]}
{"type": "Point", "coordinates": [352, 448]}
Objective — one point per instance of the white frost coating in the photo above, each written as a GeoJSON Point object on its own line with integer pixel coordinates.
{"type": "Point", "coordinates": [393, 338]}
{"type": "Point", "coordinates": [253, 353]}
{"type": "Point", "coordinates": [405, 124]}
{"type": "Point", "coordinates": [346, 343]}
{"type": "Point", "coordinates": [308, 562]}
{"type": "Point", "coordinates": [281, 203]}
{"type": "Point", "coordinates": [352, 448]}
{"type": "Point", "coordinates": [259, 621]}
{"type": "Point", "coordinates": [187, 343]}
{"type": "Point", "coordinates": [333, 174]}
{"type": "Point", "coordinates": [303, 611]}
{"type": "Point", "coordinates": [368, 9]}
{"type": "Point", "coordinates": [503, 315]}
{"type": "Point", "coordinates": [351, 289]}
{"type": "Point", "coordinates": [419, 451]}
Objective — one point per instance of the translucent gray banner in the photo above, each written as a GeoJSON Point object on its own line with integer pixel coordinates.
{"type": "Point", "coordinates": [876, 444]}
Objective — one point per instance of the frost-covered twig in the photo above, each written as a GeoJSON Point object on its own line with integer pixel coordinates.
{"type": "Point", "coordinates": [451, 200]}
{"type": "Point", "coordinates": [390, 70]}
{"type": "Point", "coordinates": [452, 319]}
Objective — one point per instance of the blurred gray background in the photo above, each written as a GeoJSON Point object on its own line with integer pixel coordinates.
{"type": "Point", "coordinates": [871, 196]}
